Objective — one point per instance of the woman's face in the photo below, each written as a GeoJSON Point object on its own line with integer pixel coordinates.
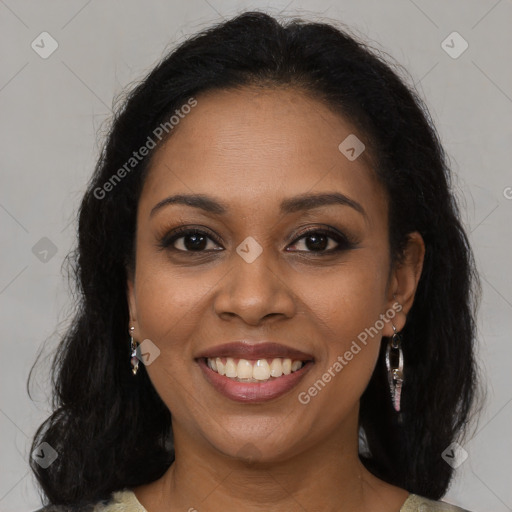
{"type": "Point", "coordinates": [268, 265]}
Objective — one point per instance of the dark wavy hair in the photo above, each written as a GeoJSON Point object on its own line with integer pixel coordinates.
{"type": "Point", "coordinates": [112, 430]}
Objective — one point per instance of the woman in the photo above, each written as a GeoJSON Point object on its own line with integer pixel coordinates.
{"type": "Point", "coordinates": [276, 292]}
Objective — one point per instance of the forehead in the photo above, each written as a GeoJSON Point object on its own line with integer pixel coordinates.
{"type": "Point", "coordinates": [254, 144]}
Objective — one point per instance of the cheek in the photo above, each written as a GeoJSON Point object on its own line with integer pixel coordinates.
{"type": "Point", "coordinates": [167, 314]}
{"type": "Point", "coordinates": [169, 304]}
{"type": "Point", "coordinates": [168, 296]}
{"type": "Point", "coordinates": [347, 306]}
{"type": "Point", "coordinates": [346, 311]}
{"type": "Point", "coordinates": [165, 300]}
{"type": "Point", "coordinates": [349, 299]}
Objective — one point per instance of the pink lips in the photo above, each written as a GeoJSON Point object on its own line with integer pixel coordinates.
{"type": "Point", "coordinates": [254, 392]}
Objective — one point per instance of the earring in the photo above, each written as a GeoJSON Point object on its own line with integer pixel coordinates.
{"type": "Point", "coordinates": [395, 372]}
{"type": "Point", "coordinates": [134, 358]}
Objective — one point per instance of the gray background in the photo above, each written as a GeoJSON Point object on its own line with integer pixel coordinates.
{"type": "Point", "coordinates": [55, 110]}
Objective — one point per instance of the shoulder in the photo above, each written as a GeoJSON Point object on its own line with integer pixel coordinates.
{"type": "Point", "coordinates": [119, 501]}
{"type": "Point", "coordinates": [416, 503]}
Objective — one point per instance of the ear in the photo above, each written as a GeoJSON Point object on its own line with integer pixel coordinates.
{"type": "Point", "coordinates": [404, 281]}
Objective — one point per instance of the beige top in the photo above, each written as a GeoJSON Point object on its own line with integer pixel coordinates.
{"type": "Point", "coordinates": [126, 501]}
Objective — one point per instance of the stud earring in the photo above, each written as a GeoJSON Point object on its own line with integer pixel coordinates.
{"type": "Point", "coordinates": [395, 370]}
{"type": "Point", "coordinates": [134, 359]}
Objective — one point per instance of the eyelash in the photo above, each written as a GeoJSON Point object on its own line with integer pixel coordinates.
{"type": "Point", "coordinates": [343, 241]}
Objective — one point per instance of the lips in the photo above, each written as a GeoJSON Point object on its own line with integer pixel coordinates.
{"type": "Point", "coordinates": [248, 350]}
{"type": "Point", "coordinates": [253, 392]}
{"type": "Point", "coordinates": [241, 390]}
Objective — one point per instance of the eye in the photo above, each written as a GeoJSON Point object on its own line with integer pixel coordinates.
{"type": "Point", "coordinates": [323, 241]}
{"type": "Point", "coordinates": [189, 240]}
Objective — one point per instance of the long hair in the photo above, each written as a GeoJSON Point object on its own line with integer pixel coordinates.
{"type": "Point", "coordinates": [112, 431]}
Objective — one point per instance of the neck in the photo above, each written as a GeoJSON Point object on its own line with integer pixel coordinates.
{"type": "Point", "coordinates": [327, 476]}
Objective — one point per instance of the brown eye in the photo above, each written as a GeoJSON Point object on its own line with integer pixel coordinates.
{"type": "Point", "coordinates": [189, 240]}
{"type": "Point", "coordinates": [322, 241]}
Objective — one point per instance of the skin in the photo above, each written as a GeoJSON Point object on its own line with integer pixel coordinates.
{"type": "Point", "coordinates": [251, 148]}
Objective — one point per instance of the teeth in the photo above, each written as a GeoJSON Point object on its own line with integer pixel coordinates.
{"type": "Point", "coordinates": [244, 369]}
{"type": "Point", "coordinates": [261, 370]}
{"type": "Point", "coordinates": [276, 368]}
{"type": "Point", "coordinates": [253, 371]}
{"type": "Point", "coordinates": [230, 368]}
{"type": "Point", "coordinates": [296, 365]}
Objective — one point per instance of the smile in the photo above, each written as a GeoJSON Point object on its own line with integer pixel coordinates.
{"type": "Point", "coordinates": [253, 381]}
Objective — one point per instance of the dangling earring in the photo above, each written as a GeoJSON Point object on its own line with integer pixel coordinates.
{"type": "Point", "coordinates": [134, 358]}
{"type": "Point", "coordinates": [395, 373]}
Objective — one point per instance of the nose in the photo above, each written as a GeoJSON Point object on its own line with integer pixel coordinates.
{"type": "Point", "coordinates": [254, 291]}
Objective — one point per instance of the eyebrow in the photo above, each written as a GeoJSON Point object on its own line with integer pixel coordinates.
{"type": "Point", "coordinates": [290, 205]}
